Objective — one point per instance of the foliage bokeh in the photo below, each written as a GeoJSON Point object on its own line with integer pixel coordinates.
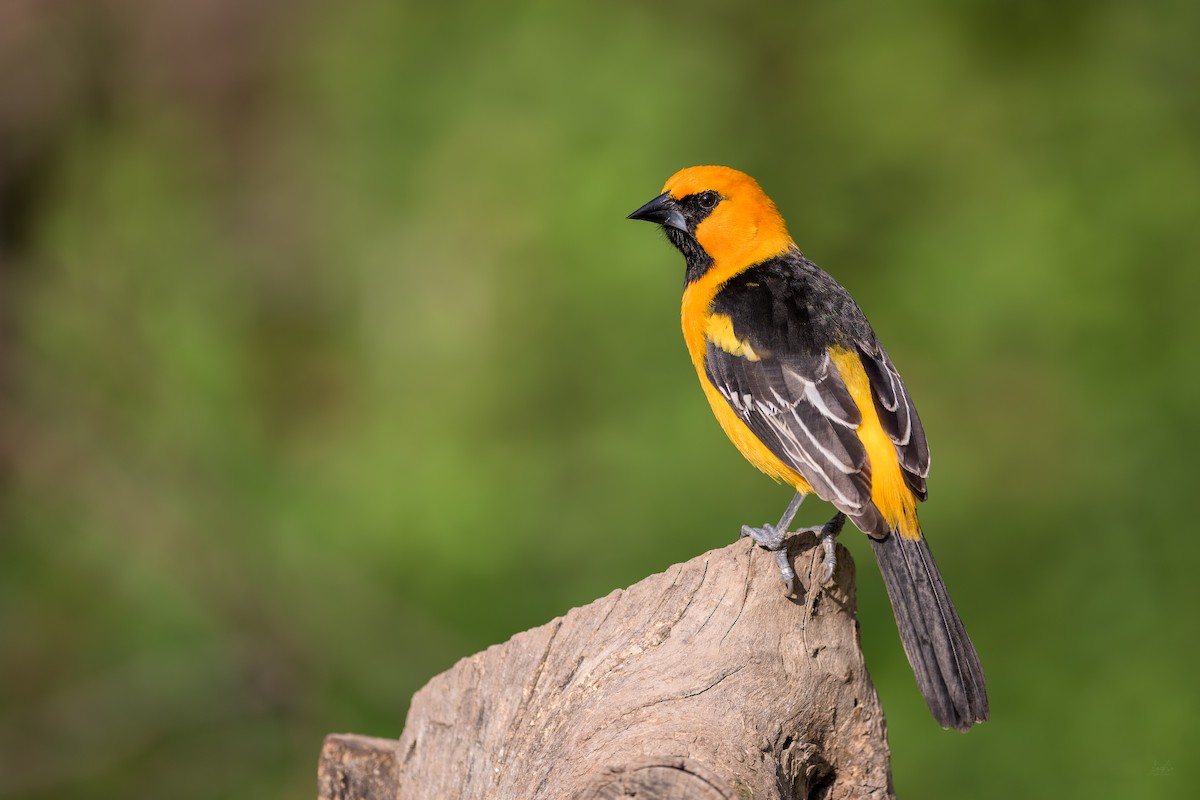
{"type": "Point", "coordinates": [328, 358]}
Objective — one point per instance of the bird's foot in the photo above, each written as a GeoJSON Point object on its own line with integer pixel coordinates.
{"type": "Point", "coordinates": [774, 538]}
{"type": "Point", "coordinates": [828, 533]}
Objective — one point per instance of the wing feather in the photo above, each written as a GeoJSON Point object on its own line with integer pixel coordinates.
{"type": "Point", "coordinates": [801, 410]}
{"type": "Point", "coordinates": [898, 415]}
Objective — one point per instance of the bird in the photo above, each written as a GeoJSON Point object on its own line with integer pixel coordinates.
{"type": "Point", "coordinates": [801, 384]}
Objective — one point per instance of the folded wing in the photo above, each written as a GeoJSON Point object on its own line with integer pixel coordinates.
{"type": "Point", "coordinates": [800, 409]}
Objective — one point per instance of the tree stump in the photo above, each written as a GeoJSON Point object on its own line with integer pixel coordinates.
{"type": "Point", "coordinates": [704, 681]}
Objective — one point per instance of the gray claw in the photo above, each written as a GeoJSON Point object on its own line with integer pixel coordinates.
{"type": "Point", "coordinates": [772, 538]}
{"type": "Point", "coordinates": [785, 570]}
{"type": "Point", "coordinates": [828, 534]}
{"type": "Point", "coordinates": [830, 559]}
{"type": "Point", "coordinates": [768, 536]}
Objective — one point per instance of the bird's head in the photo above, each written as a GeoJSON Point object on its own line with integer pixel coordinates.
{"type": "Point", "coordinates": [717, 217]}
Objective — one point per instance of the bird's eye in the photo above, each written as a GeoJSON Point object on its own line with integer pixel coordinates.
{"type": "Point", "coordinates": [707, 200]}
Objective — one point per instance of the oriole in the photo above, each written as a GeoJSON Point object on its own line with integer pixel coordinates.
{"type": "Point", "coordinates": [804, 389]}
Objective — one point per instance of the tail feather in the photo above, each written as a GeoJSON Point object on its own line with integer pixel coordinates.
{"type": "Point", "coordinates": [943, 659]}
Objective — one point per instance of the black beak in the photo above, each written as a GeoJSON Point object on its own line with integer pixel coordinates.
{"type": "Point", "coordinates": [662, 210]}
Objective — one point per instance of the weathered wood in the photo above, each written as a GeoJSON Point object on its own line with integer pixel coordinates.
{"type": "Point", "coordinates": [358, 768]}
{"type": "Point", "coordinates": [704, 681]}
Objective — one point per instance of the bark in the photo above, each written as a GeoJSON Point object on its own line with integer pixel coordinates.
{"type": "Point", "coordinates": [704, 681]}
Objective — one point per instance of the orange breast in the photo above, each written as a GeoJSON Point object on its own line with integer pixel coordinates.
{"type": "Point", "coordinates": [697, 300]}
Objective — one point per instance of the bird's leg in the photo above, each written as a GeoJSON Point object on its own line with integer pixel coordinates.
{"type": "Point", "coordinates": [828, 533]}
{"type": "Point", "coordinates": [771, 537]}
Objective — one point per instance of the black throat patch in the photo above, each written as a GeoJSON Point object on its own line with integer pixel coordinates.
{"type": "Point", "coordinates": [695, 209]}
{"type": "Point", "coordinates": [698, 260]}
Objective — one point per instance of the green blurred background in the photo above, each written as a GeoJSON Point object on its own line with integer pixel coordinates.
{"type": "Point", "coordinates": [327, 357]}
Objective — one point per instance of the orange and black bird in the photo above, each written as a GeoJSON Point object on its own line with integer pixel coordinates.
{"type": "Point", "coordinates": [802, 386]}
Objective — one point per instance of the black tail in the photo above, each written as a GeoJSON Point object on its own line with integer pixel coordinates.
{"type": "Point", "coordinates": [938, 648]}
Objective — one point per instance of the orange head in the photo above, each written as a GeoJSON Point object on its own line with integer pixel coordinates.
{"type": "Point", "coordinates": [719, 218]}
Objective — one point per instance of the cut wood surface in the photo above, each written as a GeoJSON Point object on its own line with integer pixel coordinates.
{"type": "Point", "coordinates": [704, 681]}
